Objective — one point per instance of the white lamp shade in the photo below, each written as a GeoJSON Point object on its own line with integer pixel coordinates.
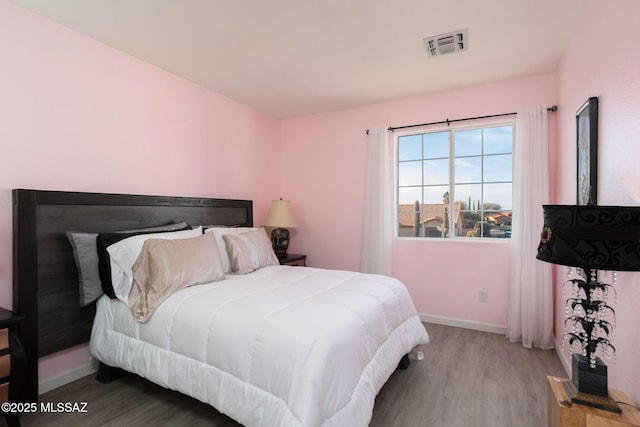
{"type": "Point", "coordinates": [280, 215]}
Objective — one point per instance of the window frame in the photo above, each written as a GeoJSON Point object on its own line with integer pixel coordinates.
{"type": "Point", "coordinates": [451, 128]}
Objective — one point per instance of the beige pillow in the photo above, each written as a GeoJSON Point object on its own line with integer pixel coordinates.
{"type": "Point", "coordinates": [221, 231]}
{"type": "Point", "coordinates": [166, 266]}
{"type": "Point", "coordinates": [249, 251]}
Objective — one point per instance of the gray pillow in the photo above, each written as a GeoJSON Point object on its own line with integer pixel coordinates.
{"type": "Point", "coordinates": [85, 255]}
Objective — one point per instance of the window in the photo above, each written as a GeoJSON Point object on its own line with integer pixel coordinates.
{"type": "Point", "coordinates": [455, 183]}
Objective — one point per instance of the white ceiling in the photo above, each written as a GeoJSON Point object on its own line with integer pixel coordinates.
{"type": "Point", "coordinates": [295, 57]}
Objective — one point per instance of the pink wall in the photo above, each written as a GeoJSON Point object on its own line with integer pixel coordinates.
{"type": "Point", "coordinates": [324, 174]}
{"type": "Point", "coordinates": [77, 115]}
{"type": "Point", "coordinates": [595, 64]}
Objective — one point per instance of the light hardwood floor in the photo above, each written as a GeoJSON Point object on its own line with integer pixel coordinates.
{"type": "Point", "coordinates": [467, 378]}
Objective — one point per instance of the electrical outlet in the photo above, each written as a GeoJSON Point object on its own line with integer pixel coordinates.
{"type": "Point", "coordinates": [484, 296]}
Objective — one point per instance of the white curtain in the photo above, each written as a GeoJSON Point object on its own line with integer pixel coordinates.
{"type": "Point", "coordinates": [377, 226]}
{"type": "Point", "coordinates": [530, 318]}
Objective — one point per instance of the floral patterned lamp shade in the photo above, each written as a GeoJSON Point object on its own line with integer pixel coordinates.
{"type": "Point", "coordinates": [591, 237]}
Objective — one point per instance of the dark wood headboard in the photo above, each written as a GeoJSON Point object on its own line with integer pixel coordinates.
{"type": "Point", "coordinates": [45, 279]}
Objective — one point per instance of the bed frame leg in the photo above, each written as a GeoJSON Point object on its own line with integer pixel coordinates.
{"type": "Point", "coordinates": [404, 362]}
{"type": "Point", "coordinates": [106, 373]}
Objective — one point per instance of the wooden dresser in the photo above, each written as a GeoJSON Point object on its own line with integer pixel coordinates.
{"type": "Point", "coordinates": [11, 362]}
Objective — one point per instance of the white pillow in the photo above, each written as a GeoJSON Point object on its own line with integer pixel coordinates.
{"type": "Point", "coordinates": [124, 254]}
{"type": "Point", "coordinates": [222, 247]}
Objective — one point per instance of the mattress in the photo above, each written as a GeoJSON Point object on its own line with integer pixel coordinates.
{"type": "Point", "coordinates": [286, 346]}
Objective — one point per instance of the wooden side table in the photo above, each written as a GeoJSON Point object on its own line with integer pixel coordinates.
{"type": "Point", "coordinates": [11, 362]}
{"type": "Point", "coordinates": [294, 260]}
{"type": "Point", "coordinates": [562, 413]}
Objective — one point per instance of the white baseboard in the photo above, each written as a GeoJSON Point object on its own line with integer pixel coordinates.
{"type": "Point", "coordinates": [466, 324]}
{"type": "Point", "coordinates": [564, 359]}
{"type": "Point", "coordinates": [68, 376]}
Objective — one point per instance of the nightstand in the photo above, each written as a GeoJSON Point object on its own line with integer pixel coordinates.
{"type": "Point", "coordinates": [562, 413]}
{"type": "Point", "coordinates": [294, 260]}
{"type": "Point", "coordinates": [11, 361]}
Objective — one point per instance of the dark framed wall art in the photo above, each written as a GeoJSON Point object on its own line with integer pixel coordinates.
{"type": "Point", "coordinates": [587, 146]}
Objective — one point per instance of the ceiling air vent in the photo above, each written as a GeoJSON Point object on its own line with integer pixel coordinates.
{"type": "Point", "coordinates": [455, 41]}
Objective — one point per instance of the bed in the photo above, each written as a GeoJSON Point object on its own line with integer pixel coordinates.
{"type": "Point", "coordinates": [276, 346]}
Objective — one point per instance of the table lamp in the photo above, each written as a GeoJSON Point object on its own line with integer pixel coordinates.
{"type": "Point", "coordinates": [590, 238]}
{"type": "Point", "coordinates": [281, 218]}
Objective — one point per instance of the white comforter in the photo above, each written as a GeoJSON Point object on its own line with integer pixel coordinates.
{"type": "Point", "coordinates": [283, 346]}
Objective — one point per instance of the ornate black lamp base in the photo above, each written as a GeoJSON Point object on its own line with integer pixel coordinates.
{"type": "Point", "coordinates": [600, 402]}
{"type": "Point", "coordinates": [587, 379]}
{"type": "Point", "coordinates": [280, 241]}
{"type": "Point", "coordinates": [588, 385]}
